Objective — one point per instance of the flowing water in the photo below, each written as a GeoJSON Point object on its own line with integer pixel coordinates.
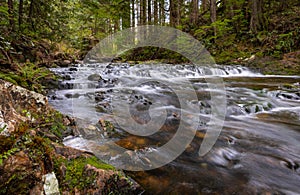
{"type": "Point", "coordinates": [257, 152]}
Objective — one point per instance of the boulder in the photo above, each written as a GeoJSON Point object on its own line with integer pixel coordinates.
{"type": "Point", "coordinates": [18, 105]}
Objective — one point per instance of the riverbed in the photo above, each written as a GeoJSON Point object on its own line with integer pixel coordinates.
{"type": "Point", "coordinates": [257, 151]}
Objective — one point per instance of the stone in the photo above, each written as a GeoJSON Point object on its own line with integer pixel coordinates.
{"type": "Point", "coordinates": [17, 105]}
{"type": "Point", "coordinates": [94, 77]}
{"type": "Point", "coordinates": [107, 181]}
{"type": "Point", "coordinates": [50, 184]}
{"type": "Point", "coordinates": [18, 162]}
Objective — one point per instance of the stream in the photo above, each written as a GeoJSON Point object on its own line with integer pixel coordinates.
{"type": "Point", "coordinates": [257, 151]}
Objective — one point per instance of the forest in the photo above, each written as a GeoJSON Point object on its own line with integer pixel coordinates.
{"type": "Point", "coordinates": [61, 117]}
{"type": "Point", "coordinates": [229, 29]}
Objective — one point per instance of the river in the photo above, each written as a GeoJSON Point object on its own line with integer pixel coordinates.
{"type": "Point", "coordinates": [257, 151]}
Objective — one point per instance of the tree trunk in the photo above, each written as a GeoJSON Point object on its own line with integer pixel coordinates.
{"type": "Point", "coordinates": [132, 13]}
{"type": "Point", "coordinates": [174, 12]}
{"type": "Point", "coordinates": [144, 15]}
{"type": "Point", "coordinates": [20, 14]}
{"type": "Point", "coordinates": [260, 14]}
{"type": "Point", "coordinates": [194, 11]}
{"type": "Point", "coordinates": [10, 5]}
{"type": "Point", "coordinates": [162, 16]}
{"type": "Point", "coordinates": [149, 12]}
{"type": "Point", "coordinates": [204, 5]}
{"type": "Point", "coordinates": [257, 20]}
{"type": "Point", "coordinates": [155, 12]}
{"type": "Point", "coordinates": [30, 15]}
{"type": "Point", "coordinates": [126, 15]}
{"type": "Point", "coordinates": [213, 14]}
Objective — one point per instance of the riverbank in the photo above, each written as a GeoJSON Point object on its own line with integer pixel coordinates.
{"type": "Point", "coordinates": [33, 159]}
{"type": "Point", "coordinates": [286, 64]}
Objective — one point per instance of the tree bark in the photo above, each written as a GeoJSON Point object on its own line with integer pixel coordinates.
{"type": "Point", "coordinates": [257, 20]}
{"type": "Point", "coordinates": [144, 16]}
{"type": "Point", "coordinates": [162, 16]}
{"type": "Point", "coordinates": [132, 13]}
{"type": "Point", "coordinates": [149, 12]}
{"type": "Point", "coordinates": [126, 15]}
{"type": "Point", "coordinates": [20, 14]}
{"type": "Point", "coordinates": [174, 12]}
{"type": "Point", "coordinates": [204, 5]}
{"type": "Point", "coordinates": [194, 10]}
{"type": "Point", "coordinates": [10, 5]}
{"type": "Point", "coordinates": [155, 11]}
{"type": "Point", "coordinates": [213, 14]}
{"type": "Point", "coordinates": [30, 15]}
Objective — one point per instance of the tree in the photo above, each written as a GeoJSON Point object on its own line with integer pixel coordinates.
{"type": "Point", "coordinates": [133, 13]}
{"type": "Point", "coordinates": [149, 12]}
{"type": "Point", "coordinates": [194, 13]}
{"type": "Point", "coordinates": [257, 20]}
{"type": "Point", "coordinates": [10, 5]}
{"type": "Point", "coordinates": [155, 11]}
{"type": "Point", "coordinates": [213, 14]}
{"type": "Point", "coordinates": [174, 13]}
{"type": "Point", "coordinates": [20, 13]}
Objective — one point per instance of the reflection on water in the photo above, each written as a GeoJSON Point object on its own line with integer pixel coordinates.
{"type": "Point", "coordinates": [256, 153]}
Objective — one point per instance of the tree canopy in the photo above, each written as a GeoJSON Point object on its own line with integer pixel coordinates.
{"type": "Point", "coordinates": [228, 28]}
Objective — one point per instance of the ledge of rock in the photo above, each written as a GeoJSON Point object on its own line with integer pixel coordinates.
{"type": "Point", "coordinates": [33, 159]}
{"type": "Point", "coordinates": [17, 105]}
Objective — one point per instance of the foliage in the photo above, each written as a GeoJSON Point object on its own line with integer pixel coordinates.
{"type": "Point", "coordinates": [29, 76]}
{"type": "Point", "coordinates": [80, 24]}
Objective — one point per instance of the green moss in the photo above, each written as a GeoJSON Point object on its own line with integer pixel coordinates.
{"type": "Point", "coordinates": [9, 77]}
{"type": "Point", "coordinates": [52, 123]}
{"type": "Point", "coordinates": [28, 76]}
{"type": "Point", "coordinates": [74, 175]}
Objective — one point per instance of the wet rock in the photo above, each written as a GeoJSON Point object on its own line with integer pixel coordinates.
{"type": "Point", "coordinates": [65, 63]}
{"type": "Point", "coordinates": [94, 77]}
{"type": "Point", "coordinates": [68, 95]}
{"type": "Point", "coordinates": [73, 69]}
{"type": "Point", "coordinates": [102, 83]}
{"type": "Point", "coordinates": [67, 77]}
{"type": "Point", "coordinates": [108, 181]}
{"type": "Point", "coordinates": [62, 85]}
{"type": "Point", "coordinates": [78, 62]}
{"type": "Point", "coordinates": [68, 152]}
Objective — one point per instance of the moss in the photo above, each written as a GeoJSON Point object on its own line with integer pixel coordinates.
{"type": "Point", "coordinates": [52, 123]}
{"type": "Point", "coordinates": [74, 173]}
{"type": "Point", "coordinates": [29, 76]}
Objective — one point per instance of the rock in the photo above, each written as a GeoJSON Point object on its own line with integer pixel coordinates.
{"type": "Point", "coordinates": [78, 62]}
{"type": "Point", "coordinates": [108, 181]}
{"type": "Point", "coordinates": [17, 105]}
{"type": "Point", "coordinates": [66, 62]}
{"type": "Point", "coordinates": [18, 162]}
{"type": "Point", "coordinates": [50, 184]}
{"type": "Point", "coordinates": [67, 152]}
{"type": "Point", "coordinates": [37, 190]}
{"type": "Point", "coordinates": [63, 63]}
{"type": "Point", "coordinates": [73, 69]}
{"type": "Point", "coordinates": [94, 77]}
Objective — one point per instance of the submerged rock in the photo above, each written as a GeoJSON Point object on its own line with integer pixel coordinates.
{"type": "Point", "coordinates": [94, 77]}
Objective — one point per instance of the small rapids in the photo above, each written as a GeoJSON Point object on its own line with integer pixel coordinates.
{"type": "Point", "coordinates": [257, 152]}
